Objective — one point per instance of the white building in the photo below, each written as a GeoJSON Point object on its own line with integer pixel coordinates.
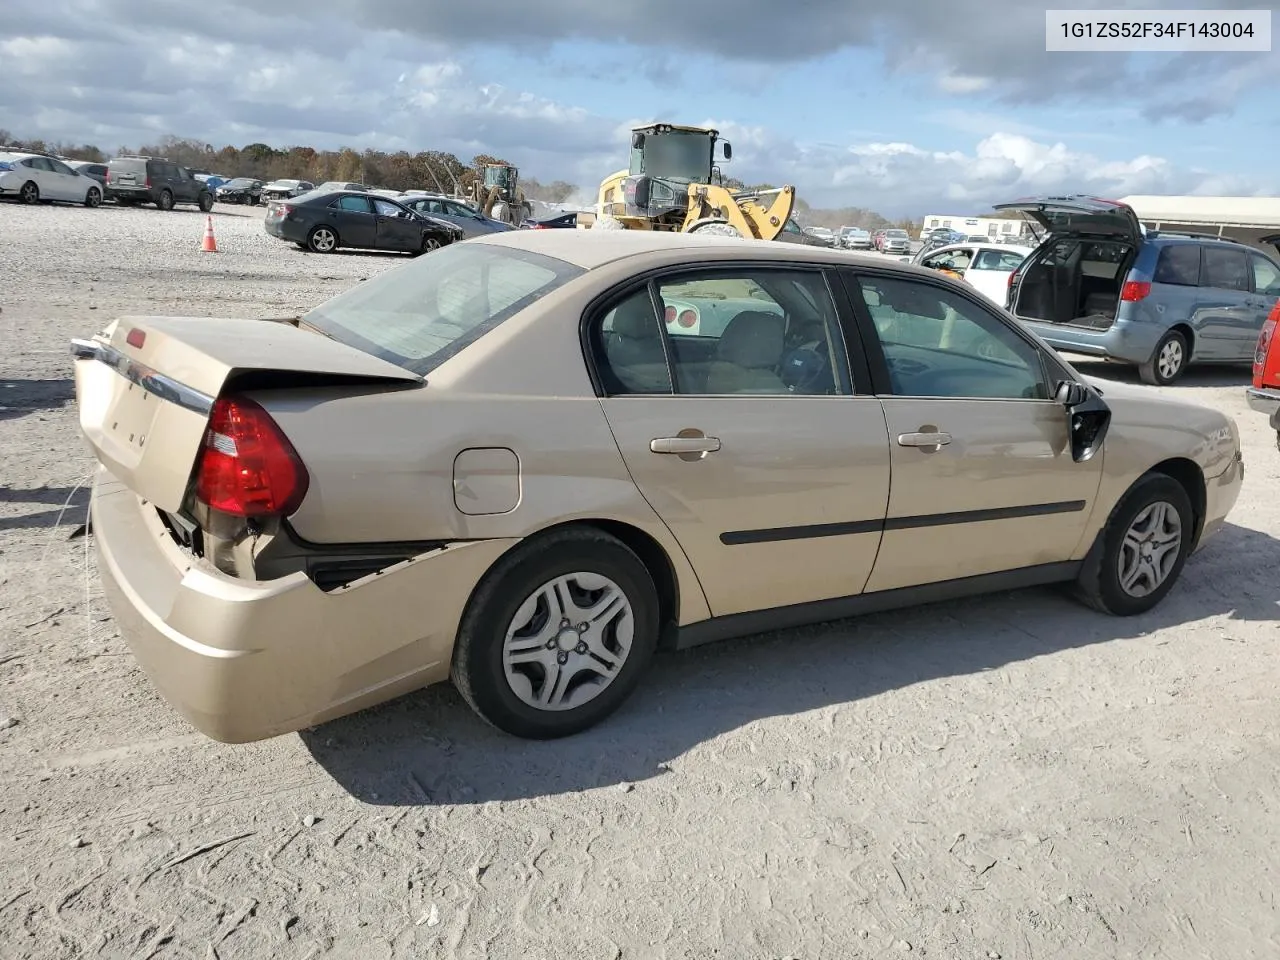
{"type": "Point", "coordinates": [987, 226]}
{"type": "Point", "coordinates": [1248, 219]}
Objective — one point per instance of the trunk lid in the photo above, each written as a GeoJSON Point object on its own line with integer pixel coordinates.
{"type": "Point", "coordinates": [145, 387]}
{"type": "Point", "coordinates": [1079, 214]}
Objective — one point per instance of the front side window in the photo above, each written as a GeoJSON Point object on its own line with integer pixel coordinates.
{"type": "Point", "coordinates": [955, 260]}
{"type": "Point", "coordinates": [939, 344]}
{"type": "Point", "coordinates": [387, 209]}
{"type": "Point", "coordinates": [427, 311]}
{"type": "Point", "coordinates": [1224, 268]}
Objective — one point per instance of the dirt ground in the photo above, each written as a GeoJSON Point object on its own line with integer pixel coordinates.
{"type": "Point", "coordinates": [1013, 776]}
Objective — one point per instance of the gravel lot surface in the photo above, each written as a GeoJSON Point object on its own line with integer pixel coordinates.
{"type": "Point", "coordinates": [1009, 777]}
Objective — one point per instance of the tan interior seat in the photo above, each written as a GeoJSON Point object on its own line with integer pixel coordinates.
{"type": "Point", "coordinates": [748, 355]}
{"type": "Point", "coordinates": [634, 348]}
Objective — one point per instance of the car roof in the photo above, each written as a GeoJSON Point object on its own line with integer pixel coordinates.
{"type": "Point", "coordinates": [594, 248]}
{"type": "Point", "coordinates": [984, 244]}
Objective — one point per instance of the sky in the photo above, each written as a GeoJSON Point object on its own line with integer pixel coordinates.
{"type": "Point", "coordinates": [907, 108]}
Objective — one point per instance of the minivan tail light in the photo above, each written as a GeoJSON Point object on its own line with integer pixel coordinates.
{"type": "Point", "coordinates": [1264, 343]}
{"type": "Point", "coordinates": [248, 468]}
{"type": "Point", "coordinates": [1135, 290]}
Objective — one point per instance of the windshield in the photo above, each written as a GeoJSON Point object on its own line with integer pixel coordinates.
{"type": "Point", "coordinates": [427, 311]}
{"type": "Point", "coordinates": [674, 156]}
{"type": "Point", "coordinates": [239, 182]}
{"type": "Point", "coordinates": [497, 176]}
{"type": "Point", "coordinates": [896, 234]}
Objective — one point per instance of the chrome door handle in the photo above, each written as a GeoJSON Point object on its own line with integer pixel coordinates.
{"type": "Point", "coordinates": [923, 439]}
{"type": "Point", "coordinates": [679, 445]}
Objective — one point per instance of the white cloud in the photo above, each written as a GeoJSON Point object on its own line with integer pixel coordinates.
{"type": "Point", "coordinates": [961, 83]}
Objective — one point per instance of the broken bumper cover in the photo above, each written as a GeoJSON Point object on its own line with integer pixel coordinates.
{"type": "Point", "coordinates": [245, 660]}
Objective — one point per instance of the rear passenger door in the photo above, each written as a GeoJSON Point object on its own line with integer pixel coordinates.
{"type": "Point", "coordinates": [729, 393]}
{"type": "Point", "coordinates": [1229, 320]}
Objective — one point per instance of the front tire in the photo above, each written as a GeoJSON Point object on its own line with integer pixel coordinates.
{"type": "Point", "coordinates": [29, 193]}
{"type": "Point", "coordinates": [1142, 549]}
{"type": "Point", "coordinates": [715, 228]}
{"type": "Point", "coordinates": [1168, 362]}
{"type": "Point", "coordinates": [322, 240]}
{"type": "Point", "coordinates": [557, 634]}
{"type": "Point", "coordinates": [93, 198]}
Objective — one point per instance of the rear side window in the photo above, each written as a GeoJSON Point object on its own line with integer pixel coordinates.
{"type": "Point", "coordinates": [427, 311]}
{"type": "Point", "coordinates": [1179, 264]}
{"type": "Point", "coordinates": [1224, 268]}
{"type": "Point", "coordinates": [1266, 276]}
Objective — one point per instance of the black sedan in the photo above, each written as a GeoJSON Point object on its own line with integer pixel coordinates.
{"type": "Point", "coordinates": [561, 221]}
{"type": "Point", "coordinates": [322, 221]}
{"type": "Point", "coordinates": [240, 190]}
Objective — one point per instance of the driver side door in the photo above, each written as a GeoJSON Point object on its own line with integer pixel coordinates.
{"type": "Point", "coordinates": [983, 475]}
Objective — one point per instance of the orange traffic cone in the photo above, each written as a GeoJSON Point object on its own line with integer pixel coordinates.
{"type": "Point", "coordinates": [210, 245]}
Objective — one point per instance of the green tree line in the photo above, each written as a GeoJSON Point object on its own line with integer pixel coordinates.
{"type": "Point", "coordinates": [427, 169]}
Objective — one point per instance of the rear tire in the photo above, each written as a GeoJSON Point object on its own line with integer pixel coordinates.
{"type": "Point", "coordinates": [1142, 549]}
{"type": "Point", "coordinates": [322, 239]}
{"type": "Point", "coordinates": [164, 201]}
{"type": "Point", "coordinates": [1168, 362]}
{"type": "Point", "coordinates": [501, 665]}
{"type": "Point", "coordinates": [206, 202]}
{"type": "Point", "coordinates": [29, 193]}
{"type": "Point", "coordinates": [93, 198]}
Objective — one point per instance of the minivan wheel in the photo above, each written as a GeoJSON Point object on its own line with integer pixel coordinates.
{"type": "Point", "coordinates": [166, 200]}
{"type": "Point", "coordinates": [1168, 362]}
{"type": "Point", "coordinates": [29, 193]}
{"type": "Point", "coordinates": [1142, 549]}
{"type": "Point", "coordinates": [322, 240]}
{"type": "Point", "coordinates": [557, 634]}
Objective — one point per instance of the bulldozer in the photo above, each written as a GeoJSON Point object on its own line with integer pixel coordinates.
{"type": "Point", "coordinates": [674, 184]}
{"type": "Point", "coordinates": [497, 194]}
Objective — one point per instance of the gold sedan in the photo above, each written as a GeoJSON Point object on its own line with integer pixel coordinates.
{"type": "Point", "coordinates": [527, 461]}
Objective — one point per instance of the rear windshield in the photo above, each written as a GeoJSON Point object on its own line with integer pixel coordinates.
{"type": "Point", "coordinates": [138, 166]}
{"type": "Point", "coordinates": [420, 315]}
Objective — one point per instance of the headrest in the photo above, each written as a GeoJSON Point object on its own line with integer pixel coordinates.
{"type": "Point", "coordinates": [634, 317]}
{"type": "Point", "coordinates": [753, 339]}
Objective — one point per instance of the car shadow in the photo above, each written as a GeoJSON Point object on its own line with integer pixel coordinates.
{"type": "Point", "coordinates": [1229, 375]}
{"type": "Point", "coordinates": [18, 398]}
{"type": "Point", "coordinates": [68, 505]}
{"type": "Point", "coordinates": [430, 748]}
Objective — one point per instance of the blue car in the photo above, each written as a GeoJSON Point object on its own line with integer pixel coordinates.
{"type": "Point", "coordinates": [1102, 285]}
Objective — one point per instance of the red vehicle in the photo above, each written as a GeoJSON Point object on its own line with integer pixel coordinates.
{"type": "Point", "coordinates": [1264, 395]}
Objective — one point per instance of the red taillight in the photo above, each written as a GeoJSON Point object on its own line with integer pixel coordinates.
{"type": "Point", "coordinates": [538, 226]}
{"type": "Point", "coordinates": [136, 338]}
{"type": "Point", "coordinates": [283, 209]}
{"type": "Point", "coordinates": [1264, 343]}
{"type": "Point", "coordinates": [687, 318]}
{"type": "Point", "coordinates": [147, 183]}
{"type": "Point", "coordinates": [1134, 290]}
{"type": "Point", "coordinates": [248, 467]}
{"type": "Point", "coordinates": [670, 315]}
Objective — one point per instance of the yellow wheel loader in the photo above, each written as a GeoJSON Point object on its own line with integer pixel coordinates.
{"type": "Point", "coordinates": [674, 184]}
{"type": "Point", "coordinates": [498, 194]}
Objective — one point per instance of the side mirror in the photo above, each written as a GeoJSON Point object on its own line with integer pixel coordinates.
{"type": "Point", "coordinates": [637, 141]}
{"type": "Point", "coordinates": [728, 149]}
{"type": "Point", "coordinates": [643, 188]}
{"type": "Point", "coordinates": [1070, 393]}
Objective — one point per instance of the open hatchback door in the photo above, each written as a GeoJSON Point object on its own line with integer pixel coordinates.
{"type": "Point", "coordinates": [1079, 214]}
{"type": "Point", "coordinates": [147, 386]}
